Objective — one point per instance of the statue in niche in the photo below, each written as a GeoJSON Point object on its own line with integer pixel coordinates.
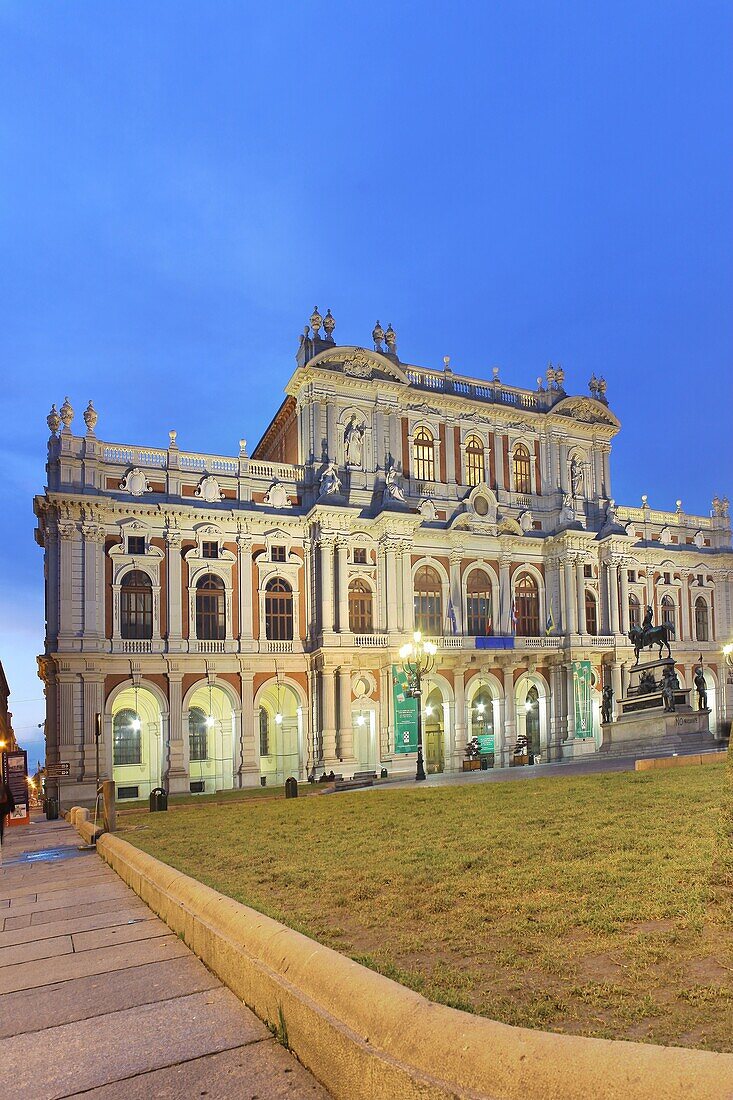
{"type": "Point", "coordinates": [576, 478]}
{"type": "Point", "coordinates": [392, 486]}
{"type": "Point", "coordinates": [354, 442]}
{"type": "Point", "coordinates": [330, 481]}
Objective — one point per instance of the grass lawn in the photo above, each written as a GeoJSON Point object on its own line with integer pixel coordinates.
{"type": "Point", "coordinates": [593, 905]}
{"type": "Point", "coordinates": [235, 795]}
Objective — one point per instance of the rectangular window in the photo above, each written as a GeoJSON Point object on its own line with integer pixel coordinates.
{"type": "Point", "coordinates": [666, 578]}
{"type": "Point", "coordinates": [127, 792]}
{"type": "Point", "coordinates": [699, 578]}
{"type": "Point", "coordinates": [631, 576]}
{"type": "Point", "coordinates": [136, 544]}
{"type": "Point", "coordinates": [278, 553]}
{"type": "Point", "coordinates": [209, 549]}
{"type": "Point", "coordinates": [587, 570]}
{"type": "Point", "coordinates": [360, 556]}
{"type": "Point", "coordinates": [197, 786]}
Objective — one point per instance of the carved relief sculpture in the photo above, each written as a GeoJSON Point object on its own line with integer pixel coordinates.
{"type": "Point", "coordinates": [277, 496]}
{"type": "Point", "coordinates": [135, 482]}
{"type": "Point", "coordinates": [208, 489]}
{"type": "Point", "coordinates": [392, 487]}
{"type": "Point", "coordinates": [330, 481]}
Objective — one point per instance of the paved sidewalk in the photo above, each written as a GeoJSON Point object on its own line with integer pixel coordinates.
{"type": "Point", "coordinates": [98, 997]}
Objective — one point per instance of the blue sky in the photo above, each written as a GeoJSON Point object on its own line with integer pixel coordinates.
{"type": "Point", "coordinates": [506, 183]}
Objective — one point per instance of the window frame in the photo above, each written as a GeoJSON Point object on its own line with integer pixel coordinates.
{"type": "Point", "coordinates": [210, 608]}
{"type": "Point", "coordinates": [527, 606]}
{"type": "Point", "coordinates": [474, 461]}
{"type": "Point", "coordinates": [361, 606]}
{"type": "Point", "coordinates": [423, 452]}
{"type": "Point", "coordinates": [135, 737]}
{"type": "Point", "coordinates": [279, 610]}
{"type": "Point", "coordinates": [477, 616]}
{"type": "Point", "coordinates": [522, 469]}
{"type": "Point", "coordinates": [197, 736]}
{"type": "Point", "coordinates": [136, 606]}
{"type": "Point", "coordinates": [428, 603]}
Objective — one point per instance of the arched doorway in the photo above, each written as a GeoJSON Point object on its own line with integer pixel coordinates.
{"type": "Point", "coordinates": [364, 724]}
{"type": "Point", "coordinates": [280, 727]}
{"type": "Point", "coordinates": [209, 735]}
{"type": "Point", "coordinates": [433, 724]}
{"type": "Point", "coordinates": [137, 743]}
{"type": "Point", "coordinates": [483, 720]}
{"type": "Point", "coordinates": [532, 715]}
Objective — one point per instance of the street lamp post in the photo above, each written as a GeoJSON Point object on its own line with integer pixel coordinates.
{"type": "Point", "coordinates": [418, 659]}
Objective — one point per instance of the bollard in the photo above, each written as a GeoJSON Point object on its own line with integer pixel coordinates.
{"type": "Point", "coordinates": [109, 809]}
{"type": "Point", "coordinates": [291, 787]}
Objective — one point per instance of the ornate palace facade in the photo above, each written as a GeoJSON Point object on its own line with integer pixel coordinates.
{"type": "Point", "coordinates": [238, 619]}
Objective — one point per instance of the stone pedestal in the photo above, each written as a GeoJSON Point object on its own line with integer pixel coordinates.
{"type": "Point", "coordinates": [644, 725]}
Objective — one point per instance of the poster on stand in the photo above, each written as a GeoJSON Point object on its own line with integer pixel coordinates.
{"type": "Point", "coordinates": [405, 713]}
{"type": "Point", "coordinates": [582, 693]}
{"type": "Point", "coordinates": [15, 774]}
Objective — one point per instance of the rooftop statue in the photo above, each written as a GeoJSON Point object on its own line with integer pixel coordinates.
{"type": "Point", "coordinates": [647, 635]}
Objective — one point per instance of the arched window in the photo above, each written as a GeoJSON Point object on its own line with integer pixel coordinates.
{"type": "Point", "coordinates": [527, 607]}
{"type": "Point", "coordinates": [702, 622]}
{"type": "Point", "coordinates": [668, 611]}
{"type": "Point", "coordinates": [210, 608]}
{"type": "Point", "coordinates": [522, 470]}
{"type": "Point", "coordinates": [136, 605]}
{"type": "Point", "coordinates": [278, 611]}
{"type": "Point", "coordinates": [360, 607]}
{"type": "Point", "coordinates": [591, 613]}
{"type": "Point", "coordinates": [424, 451]}
{"type": "Point", "coordinates": [478, 604]}
{"type": "Point", "coordinates": [428, 601]}
{"type": "Point", "coordinates": [126, 737]}
{"type": "Point", "coordinates": [475, 469]}
{"type": "Point", "coordinates": [634, 611]}
{"type": "Point", "coordinates": [198, 729]}
{"type": "Point", "coordinates": [264, 732]}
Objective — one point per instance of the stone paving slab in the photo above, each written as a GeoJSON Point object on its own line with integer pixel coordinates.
{"type": "Point", "coordinates": [122, 1044]}
{"type": "Point", "coordinates": [97, 996]}
{"type": "Point", "coordinates": [35, 975]}
{"type": "Point", "coordinates": [231, 1075]}
{"type": "Point", "coordinates": [83, 998]}
{"type": "Point", "coordinates": [38, 932]}
{"type": "Point", "coordinates": [31, 952]}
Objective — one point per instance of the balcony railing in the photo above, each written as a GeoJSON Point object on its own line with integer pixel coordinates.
{"type": "Point", "coordinates": [365, 641]}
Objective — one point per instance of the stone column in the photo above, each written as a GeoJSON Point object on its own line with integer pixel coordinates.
{"type": "Point", "coordinates": [326, 552]}
{"type": "Point", "coordinates": [606, 472]}
{"type": "Point", "coordinates": [174, 627]}
{"type": "Point", "coordinates": [455, 589]}
{"type": "Point", "coordinates": [92, 685]}
{"type": "Point", "coordinates": [510, 731]}
{"type": "Point", "coordinates": [598, 472]}
{"type": "Point", "coordinates": [580, 583]}
{"type": "Point", "coordinates": [70, 738]}
{"type": "Point", "coordinates": [343, 586]}
{"type": "Point", "coordinates": [617, 685]}
{"type": "Point", "coordinates": [459, 724]}
{"type": "Point", "coordinates": [244, 545]}
{"type": "Point", "coordinates": [570, 700]}
{"type": "Point", "coordinates": [450, 454]}
{"type": "Point", "coordinates": [392, 617]}
{"type": "Point", "coordinates": [625, 624]}
{"type": "Point", "coordinates": [613, 595]}
{"type": "Point", "coordinates": [380, 607]}
{"type": "Point", "coordinates": [571, 625]}
{"type": "Point", "coordinates": [685, 601]}
{"type": "Point", "coordinates": [558, 725]}
{"type": "Point", "coordinates": [178, 768]}
{"type": "Point", "coordinates": [345, 728]}
{"type": "Point", "coordinates": [408, 600]}
{"type": "Point", "coordinates": [386, 740]}
{"type": "Point", "coordinates": [328, 690]}
{"type": "Point", "coordinates": [505, 596]}
{"type": "Point", "coordinates": [69, 607]}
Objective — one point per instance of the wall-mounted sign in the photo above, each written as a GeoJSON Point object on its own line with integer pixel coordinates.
{"type": "Point", "coordinates": [405, 713]}
{"type": "Point", "coordinates": [582, 695]}
{"type": "Point", "coordinates": [15, 774]}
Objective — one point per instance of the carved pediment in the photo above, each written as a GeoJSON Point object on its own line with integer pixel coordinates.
{"type": "Point", "coordinates": [359, 363]}
{"type": "Point", "coordinates": [586, 410]}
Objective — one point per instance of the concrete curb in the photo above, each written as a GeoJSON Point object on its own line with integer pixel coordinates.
{"type": "Point", "coordinates": [366, 1037]}
{"type": "Point", "coordinates": [689, 759]}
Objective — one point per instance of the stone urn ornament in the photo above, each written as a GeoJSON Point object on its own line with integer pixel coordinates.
{"type": "Point", "coordinates": [90, 418]}
{"type": "Point", "coordinates": [53, 420]}
{"type": "Point", "coordinates": [67, 414]}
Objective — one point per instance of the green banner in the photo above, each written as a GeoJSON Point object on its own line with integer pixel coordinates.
{"type": "Point", "coordinates": [405, 713]}
{"type": "Point", "coordinates": [583, 699]}
{"type": "Point", "coordinates": [486, 742]}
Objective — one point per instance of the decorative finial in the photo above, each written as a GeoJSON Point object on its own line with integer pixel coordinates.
{"type": "Point", "coordinates": [593, 385]}
{"type": "Point", "coordinates": [90, 418]}
{"type": "Point", "coordinates": [540, 386]}
{"type": "Point", "coordinates": [644, 500]}
{"type": "Point", "coordinates": [329, 324]}
{"type": "Point", "coordinates": [243, 448]}
{"type": "Point", "coordinates": [172, 437]}
{"type": "Point", "coordinates": [67, 414]}
{"type": "Point", "coordinates": [53, 420]}
{"type": "Point", "coordinates": [446, 362]}
{"type": "Point", "coordinates": [550, 376]}
{"type": "Point", "coordinates": [559, 376]}
{"type": "Point", "coordinates": [378, 336]}
{"type": "Point", "coordinates": [316, 322]}
{"type": "Point", "coordinates": [602, 388]}
{"type": "Point", "coordinates": [390, 338]}
{"type": "Point", "coordinates": [679, 505]}
{"type": "Point", "coordinates": [495, 373]}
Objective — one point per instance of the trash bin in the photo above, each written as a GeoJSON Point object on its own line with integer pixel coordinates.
{"type": "Point", "coordinates": [291, 787]}
{"type": "Point", "coordinates": [52, 809]}
{"type": "Point", "coordinates": [158, 800]}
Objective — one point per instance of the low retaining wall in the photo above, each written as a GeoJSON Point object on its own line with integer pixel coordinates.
{"type": "Point", "coordinates": [679, 761]}
{"type": "Point", "coordinates": [368, 1038]}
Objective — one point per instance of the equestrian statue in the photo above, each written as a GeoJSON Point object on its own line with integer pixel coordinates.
{"type": "Point", "coordinates": [647, 635]}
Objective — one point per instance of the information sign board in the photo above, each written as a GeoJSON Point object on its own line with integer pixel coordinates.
{"type": "Point", "coordinates": [405, 713]}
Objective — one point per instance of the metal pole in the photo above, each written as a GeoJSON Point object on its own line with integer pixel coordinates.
{"type": "Point", "coordinates": [420, 774]}
{"type": "Point", "coordinates": [97, 735]}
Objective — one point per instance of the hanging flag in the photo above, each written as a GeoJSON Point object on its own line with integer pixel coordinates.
{"type": "Point", "coordinates": [550, 624]}
{"type": "Point", "coordinates": [514, 616]}
{"type": "Point", "coordinates": [452, 617]}
{"type": "Point", "coordinates": [490, 626]}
